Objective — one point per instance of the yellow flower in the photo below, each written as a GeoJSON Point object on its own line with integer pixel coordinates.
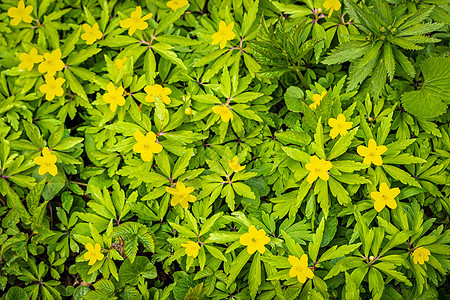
{"type": "Point", "coordinates": [159, 91]}
{"type": "Point", "coordinates": [317, 99]}
{"type": "Point", "coordinates": [52, 63]}
{"type": "Point", "coordinates": [421, 255]}
{"type": "Point", "coordinates": [317, 168]}
{"type": "Point", "coordinates": [135, 21]}
{"type": "Point", "coordinates": [372, 154]}
{"type": "Point", "coordinates": [93, 253]}
{"type": "Point", "coordinates": [224, 111]}
{"type": "Point", "coordinates": [146, 145]}
{"type": "Point", "coordinates": [332, 5]}
{"type": "Point", "coordinates": [46, 162]}
{"type": "Point", "coordinates": [20, 13]}
{"type": "Point", "coordinates": [28, 60]}
{"type": "Point", "coordinates": [113, 96]}
{"type": "Point", "coordinates": [300, 268]}
{"type": "Point", "coordinates": [234, 165]}
{"type": "Point", "coordinates": [191, 248]}
{"type": "Point", "coordinates": [91, 34]}
{"type": "Point", "coordinates": [181, 194]}
{"type": "Point", "coordinates": [224, 34]}
{"type": "Point", "coordinates": [176, 4]}
{"type": "Point", "coordinates": [119, 62]}
{"type": "Point", "coordinates": [385, 197]}
{"type": "Point", "coordinates": [255, 240]}
{"type": "Point", "coordinates": [339, 126]}
{"type": "Point", "coordinates": [52, 87]}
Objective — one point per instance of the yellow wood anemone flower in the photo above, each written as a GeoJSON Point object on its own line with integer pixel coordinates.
{"type": "Point", "coordinates": [318, 168]}
{"type": "Point", "coordinates": [93, 253]}
{"type": "Point", "coordinates": [385, 196]}
{"type": "Point", "coordinates": [234, 164]}
{"type": "Point", "coordinates": [20, 13]}
{"type": "Point", "coordinates": [176, 4]}
{"type": "Point", "coordinates": [372, 153]}
{"type": "Point", "coordinates": [255, 240]}
{"type": "Point", "coordinates": [159, 91]}
{"type": "Point", "coordinates": [118, 62]}
{"type": "Point", "coordinates": [52, 87]}
{"type": "Point", "coordinates": [46, 162]}
{"type": "Point", "coordinates": [223, 35]}
{"type": "Point", "coordinates": [135, 21]}
{"type": "Point", "coordinates": [339, 126]}
{"type": "Point", "coordinates": [224, 111]}
{"type": "Point", "coordinates": [191, 248]}
{"type": "Point", "coordinates": [52, 63]}
{"type": "Point", "coordinates": [181, 195]}
{"type": "Point", "coordinates": [91, 34]}
{"type": "Point", "coordinates": [27, 61]}
{"type": "Point", "coordinates": [300, 268]}
{"type": "Point", "coordinates": [332, 5]}
{"type": "Point", "coordinates": [421, 255]}
{"type": "Point", "coordinates": [317, 99]}
{"type": "Point", "coordinates": [114, 97]}
{"type": "Point", "coordinates": [146, 145]}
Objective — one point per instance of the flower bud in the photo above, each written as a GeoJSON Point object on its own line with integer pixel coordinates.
{"type": "Point", "coordinates": [382, 29]}
{"type": "Point", "coordinates": [188, 111]}
{"type": "Point", "coordinates": [371, 258]}
{"type": "Point", "coordinates": [319, 10]}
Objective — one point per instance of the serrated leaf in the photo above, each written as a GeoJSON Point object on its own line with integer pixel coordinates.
{"type": "Point", "coordinates": [432, 98]}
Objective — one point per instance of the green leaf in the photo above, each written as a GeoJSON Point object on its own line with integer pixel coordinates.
{"type": "Point", "coordinates": [54, 185]}
{"type": "Point", "coordinates": [335, 252]}
{"type": "Point", "coordinates": [32, 131]}
{"type": "Point", "coordinates": [349, 51]}
{"type": "Point", "coordinates": [131, 233]}
{"type": "Point", "coordinates": [216, 253]}
{"type": "Point", "coordinates": [293, 98]}
{"type": "Point", "coordinates": [254, 275]}
{"type": "Point", "coordinates": [432, 98]}
{"type": "Point", "coordinates": [296, 154]}
{"type": "Point", "coordinates": [293, 137]}
{"type": "Point", "coordinates": [342, 144]}
{"type": "Point", "coordinates": [237, 265]}
{"type": "Point", "coordinates": [389, 269]}
{"type": "Point", "coordinates": [389, 60]}
{"type": "Point", "coordinates": [75, 85]}
{"type": "Point", "coordinates": [165, 51]}
{"type": "Point", "coordinates": [181, 164]}
{"type": "Point", "coordinates": [209, 223]}
{"type": "Point", "coordinates": [69, 44]}
{"type": "Point", "coordinates": [16, 293]}
{"type": "Point", "coordinates": [68, 143]}
{"type": "Point", "coordinates": [35, 195]}
{"type": "Point", "coordinates": [294, 248]}
{"type": "Point", "coordinates": [132, 272]}
{"type": "Point", "coordinates": [78, 57]}
{"type": "Point", "coordinates": [400, 175]}
{"type": "Point", "coordinates": [314, 245]}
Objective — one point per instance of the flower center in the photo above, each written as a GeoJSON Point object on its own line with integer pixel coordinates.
{"type": "Point", "coordinates": [372, 153]}
{"type": "Point", "coordinates": [253, 240]}
{"type": "Point", "coordinates": [299, 269]}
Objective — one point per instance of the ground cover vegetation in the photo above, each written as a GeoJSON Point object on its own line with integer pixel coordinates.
{"type": "Point", "coordinates": [233, 149]}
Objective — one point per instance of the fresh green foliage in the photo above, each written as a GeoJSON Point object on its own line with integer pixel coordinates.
{"type": "Point", "coordinates": [224, 149]}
